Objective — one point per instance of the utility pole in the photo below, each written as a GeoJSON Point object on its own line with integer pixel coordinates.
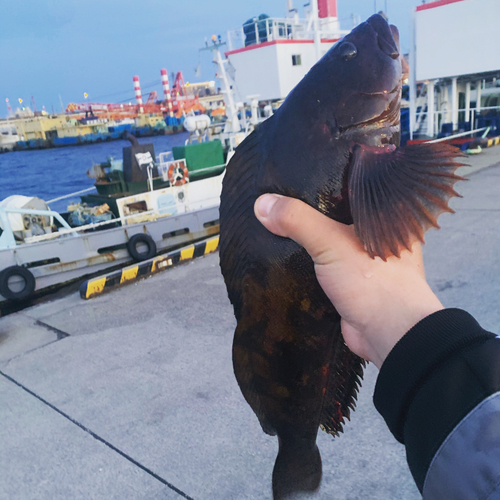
{"type": "Point", "coordinates": [227, 91]}
{"type": "Point", "coordinates": [317, 34]}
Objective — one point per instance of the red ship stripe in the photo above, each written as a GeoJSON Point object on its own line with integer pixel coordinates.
{"type": "Point", "coordinates": [437, 3]}
{"type": "Point", "coordinates": [276, 42]}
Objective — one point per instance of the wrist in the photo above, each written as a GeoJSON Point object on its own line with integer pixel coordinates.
{"type": "Point", "coordinates": [380, 344]}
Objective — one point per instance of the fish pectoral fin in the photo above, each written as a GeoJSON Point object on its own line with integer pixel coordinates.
{"type": "Point", "coordinates": [396, 194]}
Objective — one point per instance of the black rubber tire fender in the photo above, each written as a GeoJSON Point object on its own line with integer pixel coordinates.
{"type": "Point", "coordinates": [22, 272]}
{"type": "Point", "coordinates": [145, 239]}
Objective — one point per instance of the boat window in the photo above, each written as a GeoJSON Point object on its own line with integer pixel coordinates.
{"type": "Point", "coordinates": [211, 223]}
{"type": "Point", "coordinates": [45, 262]}
{"type": "Point", "coordinates": [111, 248]}
{"type": "Point", "coordinates": [133, 208]}
{"type": "Point", "coordinates": [179, 232]}
{"type": "Point", "coordinates": [296, 60]}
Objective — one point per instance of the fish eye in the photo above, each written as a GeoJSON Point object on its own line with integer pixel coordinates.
{"type": "Point", "coordinates": [348, 51]}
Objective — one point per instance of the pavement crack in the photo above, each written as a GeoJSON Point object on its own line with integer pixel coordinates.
{"type": "Point", "coordinates": [60, 334]}
{"type": "Point", "coordinates": [97, 437]}
{"type": "Point", "coordinates": [30, 351]}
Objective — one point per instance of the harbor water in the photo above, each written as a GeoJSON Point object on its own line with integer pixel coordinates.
{"type": "Point", "coordinates": [51, 173]}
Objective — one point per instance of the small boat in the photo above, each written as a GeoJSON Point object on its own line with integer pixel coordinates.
{"type": "Point", "coordinates": [142, 207]}
{"type": "Point", "coordinates": [40, 249]}
{"type": "Point", "coordinates": [8, 138]}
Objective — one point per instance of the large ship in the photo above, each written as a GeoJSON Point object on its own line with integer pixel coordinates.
{"type": "Point", "coordinates": [268, 56]}
{"type": "Point", "coordinates": [454, 79]}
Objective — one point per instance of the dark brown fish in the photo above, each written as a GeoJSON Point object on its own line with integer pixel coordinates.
{"type": "Point", "coordinates": [333, 144]}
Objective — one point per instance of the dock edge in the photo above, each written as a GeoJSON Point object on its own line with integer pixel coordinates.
{"type": "Point", "coordinates": [97, 286]}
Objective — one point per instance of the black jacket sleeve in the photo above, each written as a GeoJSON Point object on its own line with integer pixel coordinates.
{"type": "Point", "coordinates": [432, 380]}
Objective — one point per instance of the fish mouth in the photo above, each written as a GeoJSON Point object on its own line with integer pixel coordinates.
{"type": "Point", "coordinates": [386, 35]}
{"type": "Point", "coordinates": [390, 117]}
{"type": "Point", "coordinates": [395, 90]}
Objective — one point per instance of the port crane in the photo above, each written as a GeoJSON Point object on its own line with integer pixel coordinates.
{"type": "Point", "coordinates": [182, 103]}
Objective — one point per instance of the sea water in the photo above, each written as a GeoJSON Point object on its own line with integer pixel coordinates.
{"type": "Point", "coordinates": [51, 173]}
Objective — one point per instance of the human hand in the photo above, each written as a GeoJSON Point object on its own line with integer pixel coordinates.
{"type": "Point", "coordinates": [378, 301]}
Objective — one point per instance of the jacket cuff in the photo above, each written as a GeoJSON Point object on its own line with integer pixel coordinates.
{"type": "Point", "coordinates": [415, 356]}
{"type": "Point", "coordinates": [434, 376]}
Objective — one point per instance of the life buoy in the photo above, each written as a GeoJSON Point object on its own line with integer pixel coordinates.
{"type": "Point", "coordinates": [6, 285]}
{"type": "Point", "coordinates": [178, 173]}
{"type": "Point", "coordinates": [133, 245]}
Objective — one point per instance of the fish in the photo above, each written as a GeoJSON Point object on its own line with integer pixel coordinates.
{"type": "Point", "coordinates": [334, 144]}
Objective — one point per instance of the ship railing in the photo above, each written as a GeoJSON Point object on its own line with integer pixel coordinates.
{"type": "Point", "coordinates": [462, 134]}
{"type": "Point", "coordinates": [274, 28]}
{"type": "Point", "coordinates": [469, 116]}
{"type": "Point", "coordinates": [71, 195]}
{"type": "Point", "coordinates": [8, 241]}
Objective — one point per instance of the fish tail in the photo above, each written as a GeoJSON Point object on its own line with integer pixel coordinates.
{"type": "Point", "coordinates": [297, 469]}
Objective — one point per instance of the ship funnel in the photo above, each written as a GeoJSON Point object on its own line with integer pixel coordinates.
{"type": "Point", "coordinates": [328, 17]}
{"type": "Point", "coordinates": [327, 8]}
{"type": "Point", "coordinates": [138, 94]}
{"type": "Point", "coordinates": [166, 92]}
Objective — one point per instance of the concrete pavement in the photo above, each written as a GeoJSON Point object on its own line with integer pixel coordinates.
{"type": "Point", "coordinates": [132, 394]}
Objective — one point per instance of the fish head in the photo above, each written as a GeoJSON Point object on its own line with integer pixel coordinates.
{"type": "Point", "coordinates": [350, 97]}
{"type": "Point", "coordinates": [357, 84]}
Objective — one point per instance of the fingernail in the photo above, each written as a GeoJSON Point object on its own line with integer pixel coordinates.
{"type": "Point", "coordinates": [265, 203]}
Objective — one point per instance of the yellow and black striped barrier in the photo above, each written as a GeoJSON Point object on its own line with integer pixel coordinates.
{"type": "Point", "coordinates": [476, 145]}
{"type": "Point", "coordinates": [97, 286]}
{"type": "Point", "coordinates": [494, 141]}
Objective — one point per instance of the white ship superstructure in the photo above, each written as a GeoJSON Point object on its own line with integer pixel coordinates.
{"type": "Point", "coordinates": [269, 56]}
{"type": "Point", "coordinates": [455, 67]}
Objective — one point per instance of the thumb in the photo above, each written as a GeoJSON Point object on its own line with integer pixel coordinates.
{"type": "Point", "coordinates": [311, 229]}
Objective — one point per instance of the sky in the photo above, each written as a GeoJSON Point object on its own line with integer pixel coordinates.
{"type": "Point", "coordinates": [58, 50]}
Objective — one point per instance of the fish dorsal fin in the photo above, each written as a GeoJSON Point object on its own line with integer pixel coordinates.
{"type": "Point", "coordinates": [396, 194]}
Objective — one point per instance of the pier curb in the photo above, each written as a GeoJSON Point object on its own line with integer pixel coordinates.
{"type": "Point", "coordinates": [97, 286]}
{"type": "Point", "coordinates": [494, 141]}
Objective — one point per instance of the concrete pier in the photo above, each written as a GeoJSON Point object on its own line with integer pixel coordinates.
{"type": "Point", "coordinates": [131, 395]}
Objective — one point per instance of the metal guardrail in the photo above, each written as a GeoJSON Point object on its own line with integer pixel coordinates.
{"type": "Point", "coordinates": [276, 28]}
{"type": "Point", "coordinates": [67, 229]}
{"type": "Point", "coordinates": [446, 116]}
{"type": "Point", "coordinates": [462, 134]}
{"type": "Point", "coordinates": [71, 194]}
{"type": "Point", "coordinates": [7, 240]}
